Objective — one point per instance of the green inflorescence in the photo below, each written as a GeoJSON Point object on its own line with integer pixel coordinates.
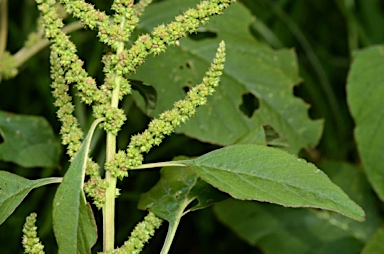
{"type": "Point", "coordinates": [139, 236]}
{"type": "Point", "coordinates": [30, 241]}
{"type": "Point", "coordinates": [165, 125]}
{"type": "Point", "coordinates": [119, 62]}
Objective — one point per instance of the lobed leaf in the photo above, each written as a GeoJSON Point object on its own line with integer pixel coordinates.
{"type": "Point", "coordinates": [73, 221]}
{"type": "Point", "coordinates": [255, 172]}
{"type": "Point", "coordinates": [14, 188]}
{"type": "Point", "coordinates": [28, 141]}
{"type": "Point", "coordinates": [365, 90]}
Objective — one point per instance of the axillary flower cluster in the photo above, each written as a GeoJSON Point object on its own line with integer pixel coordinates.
{"type": "Point", "coordinates": [114, 31]}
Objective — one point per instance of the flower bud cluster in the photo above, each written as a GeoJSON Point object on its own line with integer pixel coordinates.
{"type": "Point", "coordinates": [66, 69]}
{"type": "Point", "coordinates": [166, 35]}
{"type": "Point", "coordinates": [140, 235]}
{"type": "Point", "coordinates": [111, 30]}
{"type": "Point", "coordinates": [168, 120]}
{"type": "Point", "coordinates": [30, 241]}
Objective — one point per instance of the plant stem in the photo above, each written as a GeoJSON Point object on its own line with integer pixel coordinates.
{"type": "Point", "coordinates": [110, 193]}
{"type": "Point", "coordinates": [3, 25]}
{"type": "Point", "coordinates": [170, 235]}
{"type": "Point", "coordinates": [160, 164]}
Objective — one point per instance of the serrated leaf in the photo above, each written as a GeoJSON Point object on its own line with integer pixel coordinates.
{"type": "Point", "coordinates": [177, 188]}
{"type": "Point", "coordinates": [305, 230]}
{"type": "Point", "coordinates": [365, 90]}
{"type": "Point", "coordinates": [28, 141]}
{"type": "Point", "coordinates": [251, 67]}
{"type": "Point", "coordinates": [147, 92]}
{"type": "Point", "coordinates": [254, 172]}
{"type": "Point", "coordinates": [73, 221]}
{"type": "Point", "coordinates": [14, 188]}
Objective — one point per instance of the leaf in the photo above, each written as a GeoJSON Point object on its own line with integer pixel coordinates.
{"type": "Point", "coordinates": [147, 92]}
{"type": "Point", "coordinates": [14, 188]}
{"type": "Point", "coordinates": [28, 141]}
{"type": "Point", "coordinates": [305, 230]}
{"type": "Point", "coordinates": [73, 221]}
{"type": "Point", "coordinates": [375, 245]}
{"type": "Point", "coordinates": [254, 172]}
{"type": "Point", "coordinates": [177, 189]}
{"type": "Point", "coordinates": [365, 90]}
{"type": "Point", "coordinates": [251, 67]}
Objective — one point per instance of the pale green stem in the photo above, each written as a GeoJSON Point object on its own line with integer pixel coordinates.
{"type": "Point", "coordinates": [170, 236]}
{"type": "Point", "coordinates": [173, 227]}
{"type": "Point", "coordinates": [3, 25]}
{"type": "Point", "coordinates": [160, 164]}
{"type": "Point", "coordinates": [27, 52]}
{"type": "Point", "coordinates": [110, 193]}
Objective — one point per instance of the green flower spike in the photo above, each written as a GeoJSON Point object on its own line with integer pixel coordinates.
{"type": "Point", "coordinates": [30, 241]}
{"type": "Point", "coordinates": [165, 125]}
{"type": "Point", "coordinates": [140, 235]}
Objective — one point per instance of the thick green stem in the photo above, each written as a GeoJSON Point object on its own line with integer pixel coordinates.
{"type": "Point", "coordinates": [110, 194]}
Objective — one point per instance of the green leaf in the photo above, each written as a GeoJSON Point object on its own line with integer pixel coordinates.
{"type": "Point", "coordinates": [73, 221]}
{"type": "Point", "coordinates": [14, 188]}
{"type": "Point", "coordinates": [251, 68]}
{"type": "Point", "coordinates": [177, 189]}
{"type": "Point", "coordinates": [375, 244]}
{"type": "Point", "coordinates": [365, 92]}
{"type": "Point", "coordinates": [305, 230]}
{"type": "Point", "coordinates": [147, 92]}
{"type": "Point", "coordinates": [255, 172]}
{"type": "Point", "coordinates": [28, 141]}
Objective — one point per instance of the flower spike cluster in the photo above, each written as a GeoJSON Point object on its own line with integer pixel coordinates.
{"type": "Point", "coordinates": [30, 241]}
{"type": "Point", "coordinates": [140, 235]}
{"type": "Point", "coordinates": [168, 120]}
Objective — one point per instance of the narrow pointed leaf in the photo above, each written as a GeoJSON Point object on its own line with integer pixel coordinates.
{"type": "Point", "coordinates": [177, 188]}
{"type": "Point", "coordinates": [365, 91]}
{"type": "Point", "coordinates": [28, 141]}
{"type": "Point", "coordinates": [73, 221]}
{"type": "Point", "coordinates": [255, 172]}
{"type": "Point", "coordinates": [14, 188]}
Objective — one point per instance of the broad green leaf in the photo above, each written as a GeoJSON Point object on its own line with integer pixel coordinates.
{"type": "Point", "coordinates": [73, 221]}
{"type": "Point", "coordinates": [28, 141]}
{"type": "Point", "coordinates": [147, 92]}
{"type": "Point", "coordinates": [255, 172]}
{"type": "Point", "coordinates": [177, 189]}
{"type": "Point", "coordinates": [375, 245]}
{"type": "Point", "coordinates": [305, 230]}
{"type": "Point", "coordinates": [251, 68]}
{"type": "Point", "coordinates": [14, 188]}
{"type": "Point", "coordinates": [365, 90]}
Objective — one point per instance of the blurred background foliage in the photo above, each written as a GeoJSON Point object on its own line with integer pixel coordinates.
{"type": "Point", "coordinates": [323, 34]}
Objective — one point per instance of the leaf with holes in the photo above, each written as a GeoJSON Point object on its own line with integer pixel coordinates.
{"type": "Point", "coordinates": [14, 188]}
{"type": "Point", "coordinates": [28, 141]}
{"type": "Point", "coordinates": [255, 172]}
{"type": "Point", "coordinates": [257, 81]}
{"type": "Point", "coordinates": [147, 92]}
